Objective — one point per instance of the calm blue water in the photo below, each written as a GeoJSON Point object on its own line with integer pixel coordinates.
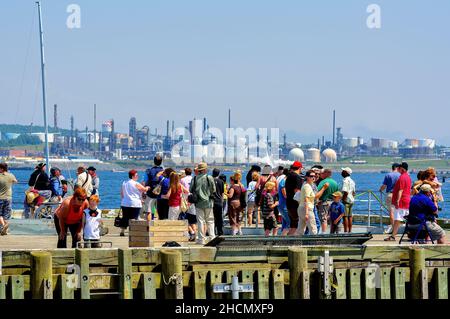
{"type": "Point", "coordinates": [110, 183]}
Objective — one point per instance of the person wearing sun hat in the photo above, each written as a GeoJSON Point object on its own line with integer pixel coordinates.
{"type": "Point", "coordinates": [348, 197]}
{"type": "Point", "coordinates": [337, 212]}
{"type": "Point", "coordinates": [203, 187]}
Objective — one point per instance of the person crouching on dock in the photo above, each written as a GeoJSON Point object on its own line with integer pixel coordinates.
{"type": "Point", "coordinates": [69, 216]}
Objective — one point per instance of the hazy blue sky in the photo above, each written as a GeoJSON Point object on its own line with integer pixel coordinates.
{"type": "Point", "coordinates": [280, 64]}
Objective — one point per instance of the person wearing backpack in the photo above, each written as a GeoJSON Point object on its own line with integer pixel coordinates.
{"type": "Point", "coordinates": [202, 191]}
{"type": "Point", "coordinates": [266, 176]}
{"type": "Point", "coordinates": [151, 179]}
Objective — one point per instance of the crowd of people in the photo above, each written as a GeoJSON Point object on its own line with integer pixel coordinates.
{"type": "Point", "coordinates": [285, 200]}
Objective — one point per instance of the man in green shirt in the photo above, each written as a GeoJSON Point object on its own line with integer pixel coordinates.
{"type": "Point", "coordinates": [327, 197]}
{"type": "Point", "coordinates": [6, 182]}
{"type": "Point", "coordinates": [204, 187]}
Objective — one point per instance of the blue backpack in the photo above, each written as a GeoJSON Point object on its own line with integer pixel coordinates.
{"type": "Point", "coordinates": [152, 179]}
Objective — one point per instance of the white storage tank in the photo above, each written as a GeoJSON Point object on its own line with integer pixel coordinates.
{"type": "Point", "coordinates": [350, 142]}
{"type": "Point", "coordinates": [313, 155]}
{"type": "Point", "coordinates": [296, 154]}
{"type": "Point", "coordinates": [329, 155]}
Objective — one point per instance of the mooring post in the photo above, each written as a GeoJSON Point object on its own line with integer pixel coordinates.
{"type": "Point", "coordinates": [41, 275]}
{"type": "Point", "coordinates": [419, 282]}
{"type": "Point", "coordinates": [171, 264]}
{"type": "Point", "coordinates": [298, 266]}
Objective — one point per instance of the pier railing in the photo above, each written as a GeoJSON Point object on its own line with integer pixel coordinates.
{"type": "Point", "coordinates": [315, 272]}
{"type": "Point", "coordinates": [368, 204]}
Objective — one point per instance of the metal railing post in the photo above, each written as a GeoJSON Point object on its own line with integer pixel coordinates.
{"type": "Point", "coordinates": [381, 209]}
{"type": "Point", "coordinates": [369, 208]}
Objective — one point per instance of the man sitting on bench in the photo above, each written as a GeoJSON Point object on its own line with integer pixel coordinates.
{"type": "Point", "coordinates": [422, 208]}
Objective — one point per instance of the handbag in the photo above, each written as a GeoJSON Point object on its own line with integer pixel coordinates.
{"type": "Point", "coordinates": [157, 189]}
{"type": "Point", "coordinates": [184, 206]}
{"type": "Point", "coordinates": [118, 219]}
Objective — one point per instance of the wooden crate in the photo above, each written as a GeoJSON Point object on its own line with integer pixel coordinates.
{"type": "Point", "coordinates": [155, 233]}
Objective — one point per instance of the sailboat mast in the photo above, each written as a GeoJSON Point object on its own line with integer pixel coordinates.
{"type": "Point", "coordinates": [44, 101]}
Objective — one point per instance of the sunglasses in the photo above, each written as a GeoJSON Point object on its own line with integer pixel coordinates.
{"type": "Point", "coordinates": [81, 199]}
{"type": "Point", "coordinates": [312, 176]}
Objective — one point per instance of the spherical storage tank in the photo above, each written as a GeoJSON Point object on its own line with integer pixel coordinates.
{"type": "Point", "coordinates": [296, 154]}
{"type": "Point", "coordinates": [329, 155]}
{"type": "Point", "coordinates": [313, 155]}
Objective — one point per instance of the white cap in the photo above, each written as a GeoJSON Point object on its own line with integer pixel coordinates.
{"type": "Point", "coordinates": [348, 170]}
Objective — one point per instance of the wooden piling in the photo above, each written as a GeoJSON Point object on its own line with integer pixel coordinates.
{"type": "Point", "coordinates": [171, 262]}
{"type": "Point", "coordinates": [125, 273]}
{"type": "Point", "coordinates": [419, 283]}
{"type": "Point", "coordinates": [298, 262]}
{"type": "Point", "coordinates": [399, 278]}
{"type": "Point", "coordinates": [41, 275]}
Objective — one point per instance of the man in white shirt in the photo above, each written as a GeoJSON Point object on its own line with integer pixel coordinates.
{"type": "Point", "coordinates": [348, 198]}
{"type": "Point", "coordinates": [84, 180]}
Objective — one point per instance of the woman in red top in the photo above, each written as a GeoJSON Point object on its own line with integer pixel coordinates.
{"type": "Point", "coordinates": [69, 215]}
{"type": "Point", "coordinates": [174, 195]}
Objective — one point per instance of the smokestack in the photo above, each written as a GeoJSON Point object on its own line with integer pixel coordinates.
{"type": "Point", "coordinates": [55, 116]}
{"type": "Point", "coordinates": [229, 118]}
{"type": "Point", "coordinates": [71, 132]}
{"type": "Point", "coordinates": [318, 143]}
{"type": "Point", "coordinates": [173, 127]}
{"type": "Point", "coordinates": [334, 126]}
{"type": "Point", "coordinates": [167, 131]}
{"type": "Point", "coordinates": [323, 140]}
{"type": "Point", "coordinates": [204, 124]}
{"type": "Point", "coordinates": [284, 139]}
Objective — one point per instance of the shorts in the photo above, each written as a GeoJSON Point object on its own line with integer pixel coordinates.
{"type": "Point", "coordinates": [251, 206]}
{"type": "Point", "coordinates": [149, 204]}
{"type": "Point", "coordinates": [174, 212]}
{"type": "Point", "coordinates": [5, 209]}
{"type": "Point", "coordinates": [336, 229]}
{"type": "Point", "coordinates": [389, 202]}
{"type": "Point", "coordinates": [192, 219]}
{"type": "Point", "coordinates": [436, 231]}
{"type": "Point", "coordinates": [270, 223]}
{"type": "Point", "coordinates": [322, 211]}
{"type": "Point", "coordinates": [348, 210]}
{"type": "Point", "coordinates": [400, 213]}
{"type": "Point", "coordinates": [293, 217]}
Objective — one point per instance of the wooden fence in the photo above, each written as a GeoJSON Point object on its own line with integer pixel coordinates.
{"type": "Point", "coordinates": [360, 272]}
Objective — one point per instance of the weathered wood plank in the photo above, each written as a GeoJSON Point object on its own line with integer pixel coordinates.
{"type": "Point", "coordinates": [148, 286]}
{"type": "Point", "coordinates": [67, 285]}
{"type": "Point", "coordinates": [263, 283]}
{"type": "Point", "coordinates": [247, 276]}
{"type": "Point", "coordinates": [200, 284]}
{"type": "Point", "coordinates": [441, 282]}
{"type": "Point", "coordinates": [354, 280]}
{"type": "Point", "coordinates": [384, 292]}
{"type": "Point", "coordinates": [125, 274]}
{"type": "Point", "coordinates": [3, 283]}
{"type": "Point", "coordinates": [341, 288]}
{"type": "Point", "coordinates": [82, 260]}
{"type": "Point", "coordinates": [215, 277]}
{"type": "Point", "coordinates": [239, 266]}
{"type": "Point", "coordinates": [399, 279]}
{"type": "Point", "coordinates": [278, 283]}
{"type": "Point", "coordinates": [17, 287]}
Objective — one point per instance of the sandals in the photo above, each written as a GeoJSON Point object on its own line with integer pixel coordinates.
{"type": "Point", "coordinates": [390, 238]}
